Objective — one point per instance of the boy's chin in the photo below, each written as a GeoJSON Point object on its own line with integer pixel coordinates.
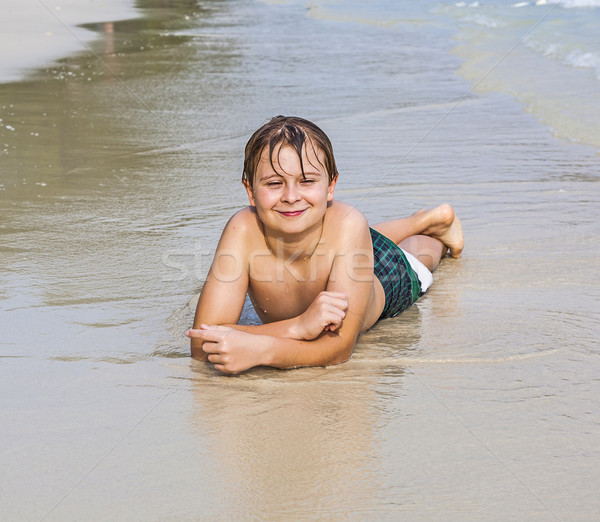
{"type": "Point", "coordinates": [301, 228]}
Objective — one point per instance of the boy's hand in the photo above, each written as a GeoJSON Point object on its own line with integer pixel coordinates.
{"type": "Point", "coordinates": [230, 350]}
{"type": "Point", "coordinates": [325, 313]}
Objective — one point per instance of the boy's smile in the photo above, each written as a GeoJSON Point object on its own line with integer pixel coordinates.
{"type": "Point", "coordinates": [291, 213]}
{"type": "Point", "coordinates": [289, 202]}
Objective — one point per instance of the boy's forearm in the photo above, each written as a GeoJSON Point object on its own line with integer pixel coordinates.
{"type": "Point", "coordinates": [280, 329]}
{"type": "Point", "coordinates": [286, 328]}
{"type": "Point", "coordinates": [328, 348]}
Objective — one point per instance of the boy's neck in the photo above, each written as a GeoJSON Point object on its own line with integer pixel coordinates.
{"type": "Point", "coordinates": [294, 247]}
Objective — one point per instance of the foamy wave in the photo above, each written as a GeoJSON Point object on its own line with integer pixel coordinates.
{"type": "Point", "coordinates": [585, 60]}
{"type": "Point", "coordinates": [570, 4]}
{"type": "Point", "coordinates": [576, 58]}
{"type": "Point", "coordinates": [471, 14]}
{"type": "Point", "coordinates": [549, 49]}
{"type": "Point", "coordinates": [482, 20]}
{"type": "Point", "coordinates": [579, 3]}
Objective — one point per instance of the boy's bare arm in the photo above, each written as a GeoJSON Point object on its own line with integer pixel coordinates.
{"type": "Point", "coordinates": [352, 275]}
{"type": "Point", "coordinates": [224, 291]}
{"type": "Point", "coordinates": [222, 297]}
{"type": "Point", "coordinates": [233, 350]}
{"type": "Point", "coordinates": [326, 312]}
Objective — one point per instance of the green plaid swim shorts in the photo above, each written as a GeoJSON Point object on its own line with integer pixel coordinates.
{"type": "Point", "coordinates": [400, 282]}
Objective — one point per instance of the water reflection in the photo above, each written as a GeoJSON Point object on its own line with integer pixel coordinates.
{"type": "Point", "coordinates": [304, 441]}
{"type": "Point", "coordinates": [288, 443]}
{"type": "Point", "coordinates": [91, 169]}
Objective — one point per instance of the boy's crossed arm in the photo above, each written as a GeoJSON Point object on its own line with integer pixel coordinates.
{"type": "Point", "coordinates": [233, 351]}
{"type": "Point", "coordinates": [324, 334]}
{"type": "Point", "coordinates": [226, 285]}
{"type": "Point", "coordinates": [234, 348]}
{"type": "Point", "coordinates": [326, 312]}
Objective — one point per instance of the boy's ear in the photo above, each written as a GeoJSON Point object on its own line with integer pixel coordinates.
{"type": "Point", "coordinates": [250, 193]}
{"type": "Point", "coordinates": [331, 189]}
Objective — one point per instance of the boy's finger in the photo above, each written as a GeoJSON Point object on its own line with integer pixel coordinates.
{"type": "Point", "coordinates": [214, 327]}
{"type": "Point", "coordinates": [339, 304]}
{"type": "Point", "coordinates": [207, 335]}
{"type": "Point", "coordinates": [213, 335]}
{"type": "Point", "coordinates": [337, 297]}
{"type": "Point", "coordinates": [342, 304]}
{"type": "Point", "coordinates": [215, 358]}
{"type": "Point", "coordinates": [209, 347]}
{"type": "Point", "coordinates": [220, 328]}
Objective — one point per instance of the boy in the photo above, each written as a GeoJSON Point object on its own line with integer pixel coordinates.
{"type": "Point", "coordinates": [316, 273]}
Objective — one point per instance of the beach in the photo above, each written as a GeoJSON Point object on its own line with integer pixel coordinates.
{"type": "Point", "coordinates": [38, 32]}
{"type": "Point", "coordinates": [121, 154]}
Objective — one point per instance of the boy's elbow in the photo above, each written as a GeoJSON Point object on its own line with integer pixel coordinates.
{"type": "Point", "coordinates": [342, 354]}
{"type": "Point", "coordinates": [339, 359]}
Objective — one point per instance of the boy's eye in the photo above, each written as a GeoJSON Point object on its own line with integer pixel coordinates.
{"type": "Point", "coordinates": [273, 183]}
{"type": "Point", "coordinates": [308, 180]}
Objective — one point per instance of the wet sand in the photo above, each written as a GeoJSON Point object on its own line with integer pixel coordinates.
{"type": "Point", "coordinates": [479, 403]}
{"type": "Point", "coordinates": [38, 32]}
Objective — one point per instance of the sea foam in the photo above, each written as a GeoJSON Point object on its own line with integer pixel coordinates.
{"type": "Point", "coordinates": [570, 4]}
{"type": "Point", "coordinates": [577, 58]}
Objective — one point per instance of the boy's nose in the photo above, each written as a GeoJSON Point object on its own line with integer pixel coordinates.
{"type": "Point", "coordinates": [290, 193]}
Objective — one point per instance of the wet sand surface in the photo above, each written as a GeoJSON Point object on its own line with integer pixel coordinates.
{"type": "Point", "coordinates": [119, 168]}
{"type": "Point", "coordinates": [35, 32]}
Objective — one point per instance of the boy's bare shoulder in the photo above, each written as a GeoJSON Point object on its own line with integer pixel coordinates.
{"type": "Point", "coordinates": [243, 219]}
{"type": "Point", "coordinates": [345, 217]}
{"type": "Point", "coordinates": [243, 227]}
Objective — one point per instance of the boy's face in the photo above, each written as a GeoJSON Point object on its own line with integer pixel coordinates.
{"type": "Point", "coordinates": [285, 200]}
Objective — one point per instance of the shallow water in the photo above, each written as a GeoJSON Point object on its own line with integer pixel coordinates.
{"type": "Point", "coordinates": [116, 178]}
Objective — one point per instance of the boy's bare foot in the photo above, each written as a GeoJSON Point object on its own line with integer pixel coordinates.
{"type": "Point", "coordinates": [446, 227]}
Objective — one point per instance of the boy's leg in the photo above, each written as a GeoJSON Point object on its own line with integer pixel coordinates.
{"type": "Point", "coordinates": [426, 249]}
{"type": "Point", "coordinates": [439, 223]}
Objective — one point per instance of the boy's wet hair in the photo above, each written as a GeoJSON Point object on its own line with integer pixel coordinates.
{"type": "Point", "coordinates": [287, 130]}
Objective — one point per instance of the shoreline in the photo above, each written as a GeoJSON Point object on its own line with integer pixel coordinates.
{"type": "Point", "coordinates": [46, 32]}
